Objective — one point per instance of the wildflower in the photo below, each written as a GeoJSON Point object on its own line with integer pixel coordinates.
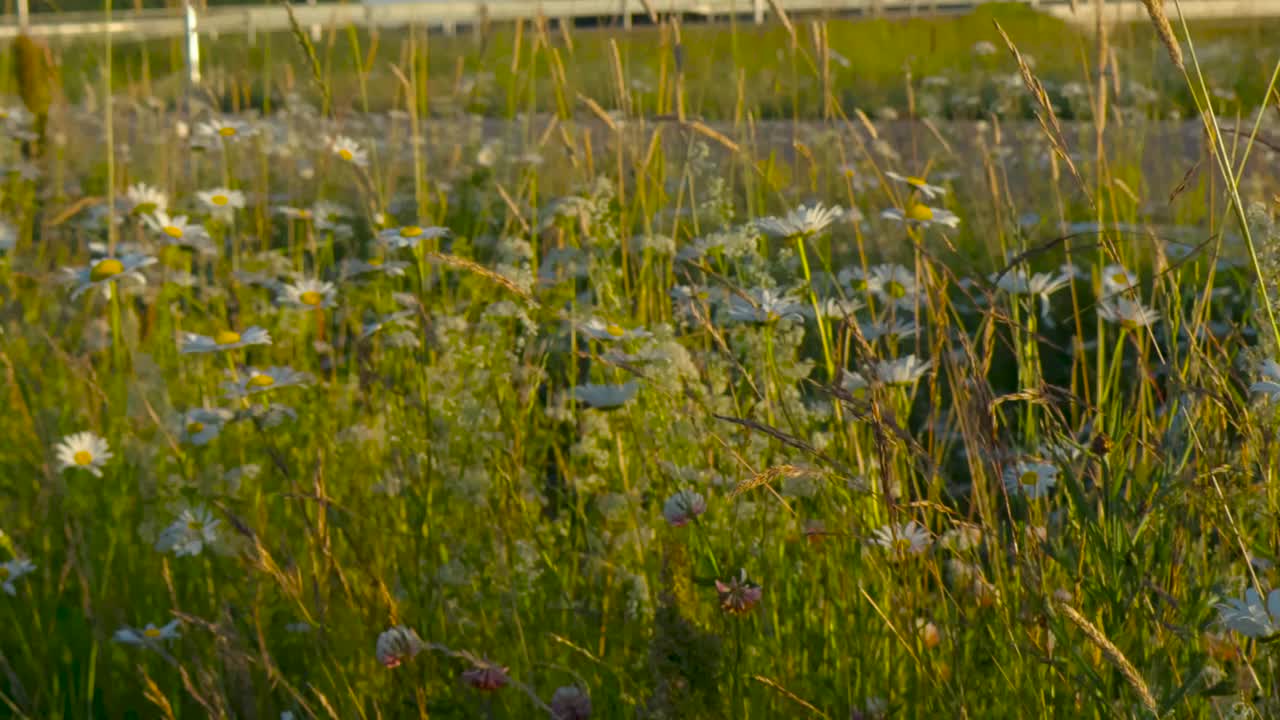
{"type": "Point", "coordinates": [570, 703]}
{"type": "Point", "coordinates": [349, 150]}
{"type": "Point", "coordinates": [226, 130]}
{"type": "Point", "coordinates": [895, 284]}
{"type": "Point", "coordinates": [194, 529]}
{"type": "Point", "coordinates": [149, 635]}
{"type": "Point", "coordinates": [176, 230]}
{"type": "Point", "coordinates": [765, 306]}
{"type": "Point", "coordinates": [835, 308]}
{"type": "Point", "coordinates": [802, 221]}
{"type": "Point", "coordinates": [902, 371]}
{"type": "Point", "coordinates": [222, 202]}
{"type": "Point", "coordinates": [606, 397]}
{"type": "Point", "coordinates": [224, 340]}
{"type": "Point", "coordinates": [254, 381]}
{"type": "Point", "coordinates": [1040, 285]}
{"type": "Point", "coordinates": [309, 294]}
{"type": "Point", "coordinates": [410, 235]}
{"type": "Point", "coordinates": [396, 645]}
{"type": "Point", "coordinates": [107, 271]}
{"type": "Point", "coordinates": [85, 451]}
{"type": "Point", "coordinates": [1127, 313]}
{"type": "Point", "coordinates": [682, 507]}
{"type": "Point", "coordinates": [962, 538]}
{"type": "Point", "coordinates": [922, 215]}
{"type": "Point", "coordinates": [918, 184]}
{"type": "Point", "coordinates": [354, 267]}
{"type": "Point", "coordinates": [896, 328]}
{"type": "Point", "coordinates": [1033, 479]}
{"type": "Point", "coordinates": [396, 318]}
{"type": "Point", "coordinates": [11, 571]}
{"type": "Point", "coordinates": [201, 425]}
{"type": "Point", "coordinates": [1117, 279]}
{"type": "Point", "coordinates": [1250, 617]}
{"type": "Point", "coordinates": [854, 383]}
{"type": "Point", "coordinates": [486, 677]}
{"type": "Point", "coordinates": [1270, 382]}
{"type": "Point", "coordinates": [909, 539]}
{"type": "Point", "coordinates": [597, 329]}
{"type": "Point", "coordinates": [143, 199]}
{"type": "Point", "coordinates": [929, 634]}
{"type": "Point", "coordinates": [738, 596]}
{"type": "Point", "coordinates": [983, 48]}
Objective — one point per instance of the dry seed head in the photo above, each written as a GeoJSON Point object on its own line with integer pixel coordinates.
{"type": "Point", "coordinates": [1155, 8]}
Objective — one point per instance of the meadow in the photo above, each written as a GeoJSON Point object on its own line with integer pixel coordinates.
{"type": "Point", "coordinates": [879, 369]}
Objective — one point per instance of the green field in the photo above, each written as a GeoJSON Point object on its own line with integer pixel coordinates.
{"type": "Point", "coordinates": [700, 372]}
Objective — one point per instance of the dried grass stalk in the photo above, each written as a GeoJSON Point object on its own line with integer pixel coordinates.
{"type": "Point", "coordinates": [1155, 8]}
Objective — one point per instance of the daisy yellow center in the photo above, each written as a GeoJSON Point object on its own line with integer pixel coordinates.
{"type": "Point", "coordinates": [262, 381]}
{"type": "Point", "coordinates": [152, 632]}
{"type": "Point", "coordinates": [219, 199]}
{"type": "Point", "coordinates": [410, 231]}
{"type": "Point", "coordinates": [4, 572]}
{"type": "Point", "coordinates": [901, 544]}
{"type": "Point", "coordinates": [1120, 279]}
{"type": "Point", "coordinates": [916, 181]}
{"type": "Point", "coordinates": [376, 262]}
{"type": "Point", "coordinates": [615, 330]}
{"type": "Point", "coordinates": [106, 269]}
{"type": "Point", "coordinates": [227, 337]}
{"type": "Point", "coordinates": [172, 231]}
{"type": "Point", "coordinates": [195, 525]}
{"type": "Point", "coordinates": [896, 289]}
{"type": "Point", "coordinates": [82, 457]}
{"type": "Point", "coordinates": [227, 131]}
{"type": "Point", "coordinates": [345, 154]}
{"type": "Point", "coordinates": [195, 427]}
{"type": "Point", "coordinates": [919, 212]}
{"type": "Point", "coordinates": [311, 297]}
{"type": "Point", "coordinates": [1029, 477]}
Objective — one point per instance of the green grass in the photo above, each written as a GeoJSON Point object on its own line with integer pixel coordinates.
{"type": "Point", "coordinates": [446, 471]}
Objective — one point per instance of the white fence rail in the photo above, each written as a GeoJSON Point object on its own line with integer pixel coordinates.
{"type": "Point", "coordinates": [451, 14]}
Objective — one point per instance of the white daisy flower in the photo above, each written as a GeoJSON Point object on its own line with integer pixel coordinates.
{"type": "Point", "coordinates": [84, 451]}
{"type": "Point", "coordinates": [1127, 313]}
{"type": "Point", "coordinates": [606, 397]}
{"type": "Point", "coordinates": [201, 425]}
{"type": "Point", "coordinates": [834, 307]}
{"type": "Point", "coordinates": [804, 220]}
{"type": "Point", "coordinates": [221, 202]}
{"type": "Point", "coordinates": [397, 645]}
{"type": "Point", "coordinates": [253, 381]}
{"type": "Point", "coordinates": [895, 284]}
{"type": "Point", "coordinates": [144, 199]}
{"type": "Point", "coordinates": [224, 129]}
{"type": "Point", "coordinates": [1270, 382]}
{"type": "Point", "coordinates": [396, 318]}
{"type": "Point", "coordinates": [225, 340]}
{"type": "Point", "coordinates": [598, 329]}
{"type": "Point", "coordinates": [349, 150]}
{"type": "Point", "coordinates": [148, 635]}
{"type": "Point", "coordinates": [909, 539]}
{"type": "Point", "coordinates": [856, 279]}
{"type": "Point", "coordinates": [930, 192]}
{"type": "Point", "coordinates": [309, 294]}
{"type": "Point", "coordinates": [410, 235]}
{"type": "Point", "coordinates": [901, 371]}
{"type": "Point", "coordinates": [355, 267]}
{"type": "Point", "coordinates": [1019, 281]}
{"type": "Point", "coordinates": [897, 328]}
{"type": "Point", "coordinates": [854, 383]}
{"type": "Point", "coordinates": [195, 529]}
{"type": "Point", "coordinates": [682, 507]}
{"type": "Point", "coordinates": [765, 306]}
{"type": "Point", "coordinates": [176, 230]}
{"type": "Point", "coordinates": [1117, 279]}
{"type": "Point", "coordinates": [1250, 617]}
{"type": "Point", "coordinates": [922, 215]}
{"type": "Point", "coordinates": [106, 271]}
{"type": "Point", "coordinates": [1033, 479]}
{"type": "Point", "coordinates": [12, 570]}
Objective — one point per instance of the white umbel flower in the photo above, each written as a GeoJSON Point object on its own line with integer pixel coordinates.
{"type": "Point", "coordinates": [1033, 479]}
{"type": "Point", "coordinates": [309, 294]}
{"type": "Point", "coordinates": [149, 635]}
{"type": "Point", "coordinates": [908, 539]}
{"type": "Point", "coordinates": [1251, 617]}
{"type": "Point", "coordinates": [349, 150]}
{"type": "Point", "coordinates": [12, 570]}
{"type": "Point", "coordinates": [83, 451]}
{"type": "Point", "coordinates": [397, 645]}
{"type": "Point", "coordinates": [105, 272]}
{"type": "Point", "coordinates": [802, 221]}
{"type": "Point", "coordinates": [225, 340]}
